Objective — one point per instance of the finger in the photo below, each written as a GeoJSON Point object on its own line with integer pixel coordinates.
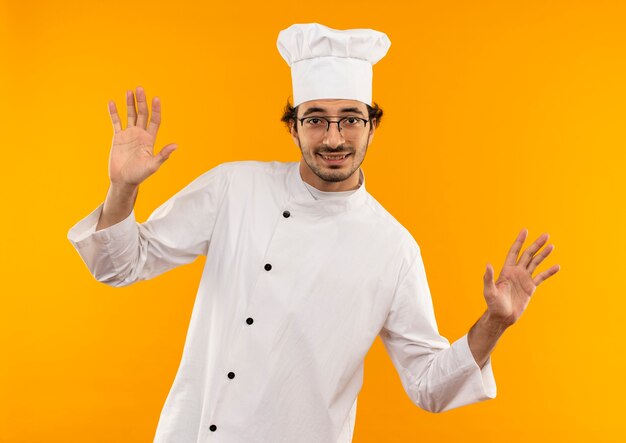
{"type": "Point", "coordinates": [130, 107]}
{"type": "Point", "coordinates": [546, 274]}
{"type": "Point", "coordinates": [142, 106]}
{"type": "Point", "coordinates": [115, 118]}
{"type": "Point", "coordinates": [511, 258]}
{"type": "Point", "coordinates": [164, 154]}
{"type": "Point", "coordinates": [155, 117]}
{"type": "Point", "coordinates": [537, 259]}
{"type": "Point", "coordinates": [530, 252]}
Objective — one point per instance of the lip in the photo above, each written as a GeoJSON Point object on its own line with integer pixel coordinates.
{"type": "Point", "coordinates": [335, 162]}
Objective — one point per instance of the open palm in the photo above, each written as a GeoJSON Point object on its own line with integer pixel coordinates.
{"type": "Point", "coordinates": [508, 297]}
{"type": "Point", "coordinates": [132, 157]}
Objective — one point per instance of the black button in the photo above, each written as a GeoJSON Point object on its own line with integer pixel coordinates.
{"type": "Point", "coordinates": [249, 320]}
{"type": "Point", "coordinates": [213, 428]}
{"type": "Point", "coordinates": [286, 214]}
{"type": "Point", "coordinates": [231, 375]}
{"type": "Point", "coordinates": [268, 267]}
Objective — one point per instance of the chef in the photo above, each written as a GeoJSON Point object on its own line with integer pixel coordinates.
{"type": "Point", "coordinates": [304, 268]}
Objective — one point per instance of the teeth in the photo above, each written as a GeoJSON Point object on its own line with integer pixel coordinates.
{"type": "Point", "coordinates": [334, 157]}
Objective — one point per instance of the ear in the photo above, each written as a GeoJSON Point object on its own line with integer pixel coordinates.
{"type": "Point", "coordinates": [372, 129]}
{"type": "Point", "coordinates": [293, 131]}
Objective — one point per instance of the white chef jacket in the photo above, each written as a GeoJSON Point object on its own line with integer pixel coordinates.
{"type": "Point", "coordinates": [293, 293]}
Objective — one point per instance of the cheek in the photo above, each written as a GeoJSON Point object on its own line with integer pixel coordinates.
{"type": "Point", "coordinates": [307, 147]}
{"type": "Point", "coordinates": [363, 145]}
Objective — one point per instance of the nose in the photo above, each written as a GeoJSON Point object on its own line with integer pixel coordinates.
{"type": "Point", "coordinates": [333, 137]}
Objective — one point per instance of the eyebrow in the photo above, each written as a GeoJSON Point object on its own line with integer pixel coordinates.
{"type": "Point", "coordinates": [342, 110]}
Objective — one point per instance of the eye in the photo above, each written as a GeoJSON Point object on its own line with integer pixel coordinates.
{"type": "Point", "coordinates": [313, 121]}
{"type": "Point", "coordinates": [351, 121]}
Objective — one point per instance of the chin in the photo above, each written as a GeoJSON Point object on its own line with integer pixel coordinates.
{"type": "Point", "coordinates": [333, 175]}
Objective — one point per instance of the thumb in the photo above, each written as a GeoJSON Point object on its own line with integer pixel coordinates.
{"type": "Point", "coordinates": [165, 153]}
{"type": "Point", "coordinates": [490, 286]}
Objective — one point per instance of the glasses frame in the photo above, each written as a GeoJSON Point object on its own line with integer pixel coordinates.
{"type": "Point", "coordinates": [328, 122]}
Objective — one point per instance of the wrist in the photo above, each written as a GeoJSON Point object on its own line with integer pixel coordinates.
{"type": "Point", "coordinates": [491, 325]}
{"type": "Point", "coordinates": [118, 204]}
{"type": "Point", "coordinates": [122, 190]}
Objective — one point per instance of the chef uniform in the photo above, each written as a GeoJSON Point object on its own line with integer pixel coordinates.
{"type": "Point", "coordinates": [296, 286]}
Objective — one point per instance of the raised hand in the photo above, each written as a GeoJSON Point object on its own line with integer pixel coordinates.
{"type": "Point", "coordinates": [132, 157]}
{"type": "Point", "coordinates": [508, 297]}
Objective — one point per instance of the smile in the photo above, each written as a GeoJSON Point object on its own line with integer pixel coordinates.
{"type": "Point", "coordinates": [334, 158]}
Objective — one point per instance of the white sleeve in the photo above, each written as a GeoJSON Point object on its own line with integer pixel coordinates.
{"type": "Point", "coordinates": [436, 376]}
{"type": "Point", "coordinates": [174, 234]}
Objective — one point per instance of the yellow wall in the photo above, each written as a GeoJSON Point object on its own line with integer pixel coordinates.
{"type": "Point", "coordinates": [499, 115]}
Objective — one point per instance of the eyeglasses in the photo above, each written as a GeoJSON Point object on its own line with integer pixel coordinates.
{"type": "Point", "coordinates": [348, 126]}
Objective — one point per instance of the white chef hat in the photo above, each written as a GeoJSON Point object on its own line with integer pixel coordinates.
{"type": "Point", "coordinates": [330, 63]}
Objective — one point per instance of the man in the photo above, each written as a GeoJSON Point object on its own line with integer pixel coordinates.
{"type": "Point", "coordinates": [304, 268]}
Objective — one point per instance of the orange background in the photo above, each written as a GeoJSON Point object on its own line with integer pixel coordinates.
{"type": "Point", "coordinates": [498, 116]}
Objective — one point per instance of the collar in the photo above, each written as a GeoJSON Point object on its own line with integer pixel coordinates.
{"type": "Point", "coordinates": [301, 198]}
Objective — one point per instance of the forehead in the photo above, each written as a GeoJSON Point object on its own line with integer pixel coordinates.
{"type": "Point", "coordinates": [332, 106]}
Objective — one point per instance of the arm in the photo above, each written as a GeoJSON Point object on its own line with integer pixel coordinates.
{"type": "Point", "coordinates": [438, 376]}
{"type": "Point", "coordinates": [435, 375]}
{"type": "Point", "coordinates": [175, 233]}
{"type": "Point", "coordinates": [118, 250]}
{"type": "Point", "coordinates": [508, 297]}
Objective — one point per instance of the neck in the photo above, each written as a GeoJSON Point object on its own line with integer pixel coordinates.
{"type": "Point", "coordinates": [312, 179]}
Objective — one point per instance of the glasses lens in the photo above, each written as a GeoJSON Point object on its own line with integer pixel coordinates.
{"type": "Point", "coordinates": [351, 126]}
{"type": "Point", "coordinates": [314, 124]}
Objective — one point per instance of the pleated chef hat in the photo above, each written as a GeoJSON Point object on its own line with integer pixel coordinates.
{"type": "Point", "coordinates": [331, 63]}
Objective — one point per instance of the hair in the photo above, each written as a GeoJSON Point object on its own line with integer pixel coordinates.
{"type": "Point", "coordinates": [290, 113]}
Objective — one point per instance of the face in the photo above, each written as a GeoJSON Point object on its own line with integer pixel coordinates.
{"type": "Point", "coordinates": [331, 159]}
